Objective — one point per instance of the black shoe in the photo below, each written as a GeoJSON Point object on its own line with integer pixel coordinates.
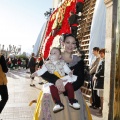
{"type": "Point", "coordinates": [93, 107]}
{"type": "Point", "coordinates": [32, 85]}
{"type": "Point", "coordinates": [41, 83]}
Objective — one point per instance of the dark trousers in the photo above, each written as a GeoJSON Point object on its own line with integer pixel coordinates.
{"type": "Point", "coordinates": [4, 96]}
{"type": "Point", "coordinates": [55, 95]}
{"type": "Point", "coordinates": [79, 7]}
{"type": "Point", "coordinates": [95, 97]}
{"type": "Point", "coordinates": [32, 70]}
{"type": "Point", "coordinates": [74, 30]}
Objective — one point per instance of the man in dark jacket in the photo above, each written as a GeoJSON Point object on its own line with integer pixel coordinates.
{"type": "Point", "coordinates": [73, 22]}
{"type": "Point", "coordinates": [31, 65]}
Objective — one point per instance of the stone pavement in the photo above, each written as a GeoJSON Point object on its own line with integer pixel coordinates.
{"type": "Point", "coordinates": [20, 95]}
{"type": "Point", "coordinates": [93, 112]}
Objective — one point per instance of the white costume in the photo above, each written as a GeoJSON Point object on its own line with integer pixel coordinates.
{"type": "Point", "coordinates": [58, 66]}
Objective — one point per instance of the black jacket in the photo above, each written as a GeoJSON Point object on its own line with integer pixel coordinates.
{"type": "Point", "coordinates": [3, 64]}
{"type": "Point", "coordinates": [100, 71]}
{"type": "Point", "coordinates": [100, 76]}
{"type": "Point", "coordinates": [32, 63]}
{"type": "Point", "coordinates": [73, 19]}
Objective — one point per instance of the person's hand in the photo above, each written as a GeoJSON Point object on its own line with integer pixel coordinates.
{"type": "Point", "coordinates": [71, 73]}
{"type": "Point", "coordinates": [94, 78]}
{"type": "Point", "coordinates": [60, 86]}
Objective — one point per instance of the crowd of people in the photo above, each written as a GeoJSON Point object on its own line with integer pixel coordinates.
{"type": "Point", "coordinates": [16, 63]}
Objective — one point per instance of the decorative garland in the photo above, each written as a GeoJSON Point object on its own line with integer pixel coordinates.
{"type": "Point", "coordinates": [58, 23]}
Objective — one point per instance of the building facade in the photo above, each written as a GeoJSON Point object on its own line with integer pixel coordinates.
{"type": "Point", "coordinates": [56, 2]}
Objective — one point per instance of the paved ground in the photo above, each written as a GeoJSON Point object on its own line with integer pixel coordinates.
{"type": "Point", "coordinates": [20, 94]}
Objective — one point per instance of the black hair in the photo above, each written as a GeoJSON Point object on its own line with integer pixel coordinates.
{"type": "Point", "coordinates": [67, 35]}
{"type": "Point", "coordinates": [96, 49]}
{"type": "Point", "coordinates": [3, 64]}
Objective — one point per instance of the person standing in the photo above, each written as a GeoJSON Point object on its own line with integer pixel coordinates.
{"type": "Point", "coordinates": [73, 22]}
{"type": "Point", "coordinates": [79, 6]}
{"type": "Point", "coordinates": [14, 62]}
{"type": "Point", "coordinates": [3, 83]}
{"type": "Point", "coordinates": [19, 63]}
{"type": "Point", "coordinates": [31, 65]}
{"type": "Point", "coordinates": [99, 79]}
{"type": "Point", "coordinates": [40, 63]}
{"type": "Point", "coordinates": [26, 62]}
{"type": "Point", "coordinates": [8, 62]}
{"type": "Point", "coordinates": [93, 67]}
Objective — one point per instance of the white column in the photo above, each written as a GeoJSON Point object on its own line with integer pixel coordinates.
{"type": "Point", "coordinates": [108, 59]}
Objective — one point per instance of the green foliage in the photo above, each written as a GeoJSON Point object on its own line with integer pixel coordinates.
{"type": "Point", "coordinates": [21, 56]}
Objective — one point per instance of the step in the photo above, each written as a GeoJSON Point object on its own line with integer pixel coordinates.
{"type": "Point", "coordinates": [85, 45]}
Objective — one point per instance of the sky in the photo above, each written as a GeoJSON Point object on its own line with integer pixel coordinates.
{"type": "Point", "coordinates": [21, 21]}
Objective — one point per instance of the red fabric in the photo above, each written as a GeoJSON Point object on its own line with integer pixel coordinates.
{"type": "Point", "coordinates": [40, 58]}
{"type": "Point", "coordinates": [50, 23]}
{"type": "Point", "coordinates": [74, 24]}
{"type": "Point", "coordinates": [82, 1]}
{"type": "Point", "coordinates": [35, 59]}
{"type": "Point", "coordinates": [65, 28]}
{"type": "Point", "coordinates": [70, 90]}
{"type": "Point", "coordinates": [54, 93]}
{"type": "Point", "coordinates": [19, 62]}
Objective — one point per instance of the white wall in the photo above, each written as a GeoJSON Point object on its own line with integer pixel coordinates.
{"type": "Point", "coordinates": [55, 3]}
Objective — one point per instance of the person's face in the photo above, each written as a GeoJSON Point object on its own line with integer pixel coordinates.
{"type": "Point", "coordinates": [102, 55]}
{"type": "Point", "coordinates": [69, 44]}
{"type": "Point", "coordinates": [54, 55]}
{"type": "Point", "coordinates": [95, 52]}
